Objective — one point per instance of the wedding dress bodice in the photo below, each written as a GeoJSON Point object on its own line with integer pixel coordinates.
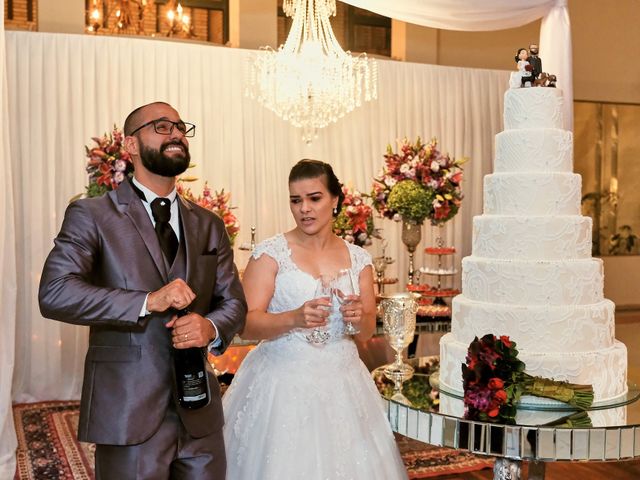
{"type": "Point", "coordinates": [294, 287]}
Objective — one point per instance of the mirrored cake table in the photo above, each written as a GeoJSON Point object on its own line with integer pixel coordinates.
{"type": "Point", "coordinates": [542, 434]}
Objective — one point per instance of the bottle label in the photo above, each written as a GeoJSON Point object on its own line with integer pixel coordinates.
{"type": "Point", "coordinates": [195, 399]}
{"type": "Point", "coordinates": [194, 387]}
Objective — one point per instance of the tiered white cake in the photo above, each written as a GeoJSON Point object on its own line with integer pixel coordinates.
{"type": "Point", "coordinates": [531, 275]}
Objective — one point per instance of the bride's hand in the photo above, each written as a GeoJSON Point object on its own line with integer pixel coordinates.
{"type": "Point", "coordinates": [352, 309]}
{"type": "Point", "coordinates": [313, 313]}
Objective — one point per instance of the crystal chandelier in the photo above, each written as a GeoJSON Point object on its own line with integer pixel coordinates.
{"type": "Point", "coordinates": [310, 80]}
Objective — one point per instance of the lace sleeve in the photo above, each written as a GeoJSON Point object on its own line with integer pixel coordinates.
{"type": "Point", "coordinates": [274, 247]}
{"type": "Point", "coordinates": [360, 257]}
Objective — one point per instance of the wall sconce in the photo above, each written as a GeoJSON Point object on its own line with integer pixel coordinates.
{"type": "Point", "coordinates": [179, 22]}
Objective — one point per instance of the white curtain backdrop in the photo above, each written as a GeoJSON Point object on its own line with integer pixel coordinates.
{"type": "Point", "coordinates": [483, 15]}
{"type": "Point", "coordinates": [9, 279]}
{"type": "Point", "coordinates": [64, 89]}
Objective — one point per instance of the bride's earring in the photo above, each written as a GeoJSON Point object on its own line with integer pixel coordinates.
{"type": "Point", "coordinates": [335, 210]}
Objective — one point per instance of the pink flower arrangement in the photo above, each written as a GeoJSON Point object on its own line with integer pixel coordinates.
{"type": "Point", "coordinates": [217, 202]}
{"type": "Point", "coordinates": [354, 223]}
{"type": "Point", "coordinates": [438, 175]}
{"type": "Point", "coordinates": [109, 163]}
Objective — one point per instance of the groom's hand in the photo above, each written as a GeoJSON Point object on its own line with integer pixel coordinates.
{"type": "Point", "coordinates": [191, 330]}
{"type": "Point", "coordinates": [175, 294]}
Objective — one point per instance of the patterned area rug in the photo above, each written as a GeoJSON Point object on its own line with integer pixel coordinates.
{"type": "Point", "coordinates": [427, 461]}
{"type": "Point", "coordinates": [47, 444]}
{"type": "Point", "coordinates": [48, 449]}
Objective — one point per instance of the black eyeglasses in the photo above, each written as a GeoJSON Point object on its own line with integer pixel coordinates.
{"type": "Point", "coordinates": [165, 127]}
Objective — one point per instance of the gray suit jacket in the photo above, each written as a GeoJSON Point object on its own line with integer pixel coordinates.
{"type": "Point", "coordinates": [105, 260]}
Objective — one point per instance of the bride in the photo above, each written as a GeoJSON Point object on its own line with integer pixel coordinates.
{"type": "Point", "coordinates": [303, 405]}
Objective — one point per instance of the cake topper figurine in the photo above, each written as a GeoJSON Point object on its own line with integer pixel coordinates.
{"type": "Point", "coordinates": [545, 80]}
{"type": "Point", "coordinates": [535, 60]}
{"type": "Point", "coordinates": [524, 76]}
{"type": "Point", "coordinates": [530, 72]}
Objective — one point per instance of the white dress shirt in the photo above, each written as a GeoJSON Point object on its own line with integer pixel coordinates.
{"type": "Point", "coordinates": [174, 221]}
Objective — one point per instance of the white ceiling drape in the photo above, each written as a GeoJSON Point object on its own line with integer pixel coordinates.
{"type": "Point", "coordinates": [484, 15]}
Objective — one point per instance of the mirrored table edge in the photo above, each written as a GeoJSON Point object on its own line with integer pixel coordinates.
{"type": "Point", "coordinates": [517, 442]}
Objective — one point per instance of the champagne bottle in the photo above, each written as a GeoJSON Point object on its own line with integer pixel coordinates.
{"type": "Point", "coordinates": [191, 376]}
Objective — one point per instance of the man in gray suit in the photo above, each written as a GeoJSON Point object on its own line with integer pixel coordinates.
{"type": "Point", "coordinates": [110, 269]}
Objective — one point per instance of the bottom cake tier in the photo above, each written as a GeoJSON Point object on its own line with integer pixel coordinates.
{"type": "Point", "coordinates": [605, 370]}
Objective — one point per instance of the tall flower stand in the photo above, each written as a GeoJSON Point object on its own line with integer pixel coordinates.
{"type": "Point", "coordinates": [411, 236]}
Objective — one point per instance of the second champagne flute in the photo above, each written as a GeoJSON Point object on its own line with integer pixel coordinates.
{"type": "Point", "coordinates": [343, 287]}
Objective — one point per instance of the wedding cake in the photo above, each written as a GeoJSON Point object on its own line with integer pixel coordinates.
{"type": "Point", "coordinates": [531, 275]}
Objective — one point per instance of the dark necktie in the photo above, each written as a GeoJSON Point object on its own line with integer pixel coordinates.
{"type": "Point", "coordinates": [161, 210]}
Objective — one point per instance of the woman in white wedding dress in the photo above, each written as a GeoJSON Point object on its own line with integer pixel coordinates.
{"type": "Point", "coordinates": [304, 406]}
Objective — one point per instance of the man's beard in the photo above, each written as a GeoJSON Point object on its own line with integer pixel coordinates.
{"type": "Point", "coordinates": [157, 162]}
{"type": "Point", "coordinates": [534, 51]}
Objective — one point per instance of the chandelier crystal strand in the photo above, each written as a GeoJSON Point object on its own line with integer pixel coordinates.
{"type": "Point", "coordinates": [310, 81]}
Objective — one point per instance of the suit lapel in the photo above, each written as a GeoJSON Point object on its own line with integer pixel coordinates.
{"type": "Point", "coordinates": [132, 207]}
{"type": "Point", "coordinates": [190, 229]}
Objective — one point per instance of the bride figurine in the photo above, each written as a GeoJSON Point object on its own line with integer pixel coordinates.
{"type": "Point", "coordinates": [302, 404]}
{"type": "Point", "coordinates": [524, 76]}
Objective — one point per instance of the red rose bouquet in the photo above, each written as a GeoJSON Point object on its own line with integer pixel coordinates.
{"type": "Point", "coordinates": [494, 380]}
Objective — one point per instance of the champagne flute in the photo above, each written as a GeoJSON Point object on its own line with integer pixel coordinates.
{"type": "Point", "coordinates": [343, 287]}
{"type": "Point", "coordinates": [320, 335]}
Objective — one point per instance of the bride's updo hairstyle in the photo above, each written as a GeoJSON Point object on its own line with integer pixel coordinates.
{"type": "Point", "coordinates": [306, 169]}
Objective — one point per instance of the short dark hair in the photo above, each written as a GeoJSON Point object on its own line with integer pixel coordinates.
{"type": "Point", "coordinates": [307, 168]}
{"type": "Point", "coordinates": [133, 119]}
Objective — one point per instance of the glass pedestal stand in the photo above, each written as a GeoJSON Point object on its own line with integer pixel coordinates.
{"type": "Point", "coordinates": [380, 265]}
{"type": "Point", "coordinates": [411, 236]}
{"type": "Point", "coordinates": [439, 309]}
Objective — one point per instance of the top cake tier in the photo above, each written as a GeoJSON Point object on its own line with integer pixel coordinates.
{"type": "Point", "coordinates": [535, 107]}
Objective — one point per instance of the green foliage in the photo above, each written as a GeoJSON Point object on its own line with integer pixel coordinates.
{"type": "Point", "coordinates": [95, 190]}
{"type": "Point", "coordinates": [411, 200]}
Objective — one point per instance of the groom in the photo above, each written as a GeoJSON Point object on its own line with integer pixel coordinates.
{"type": "Point", "coordinates": [124, 264]}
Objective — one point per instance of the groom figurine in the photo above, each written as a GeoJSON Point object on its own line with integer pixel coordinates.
{"type": "Point", "coordinates": [124, 264]}
{"type": "Point", "coordinates": [535, 60]}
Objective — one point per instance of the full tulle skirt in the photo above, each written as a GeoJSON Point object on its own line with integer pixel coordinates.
{"type": "Point", "coordinates": [301, 411]}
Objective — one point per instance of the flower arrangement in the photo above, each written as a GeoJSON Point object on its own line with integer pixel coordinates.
{"type": "Point", "coordinates": [354, 222]}
{"type": "Point", "coordinates": [494, 380]}
{"type": "Point", "coordinates": [218, 203]}
{"type": "Point", "coordinates": [109, 163]}
{"type": "Point", "coordinates": [420, 182]}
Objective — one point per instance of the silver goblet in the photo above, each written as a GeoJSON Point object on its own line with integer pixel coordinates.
{"type": "Point", "coordinates": [399, 325]}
